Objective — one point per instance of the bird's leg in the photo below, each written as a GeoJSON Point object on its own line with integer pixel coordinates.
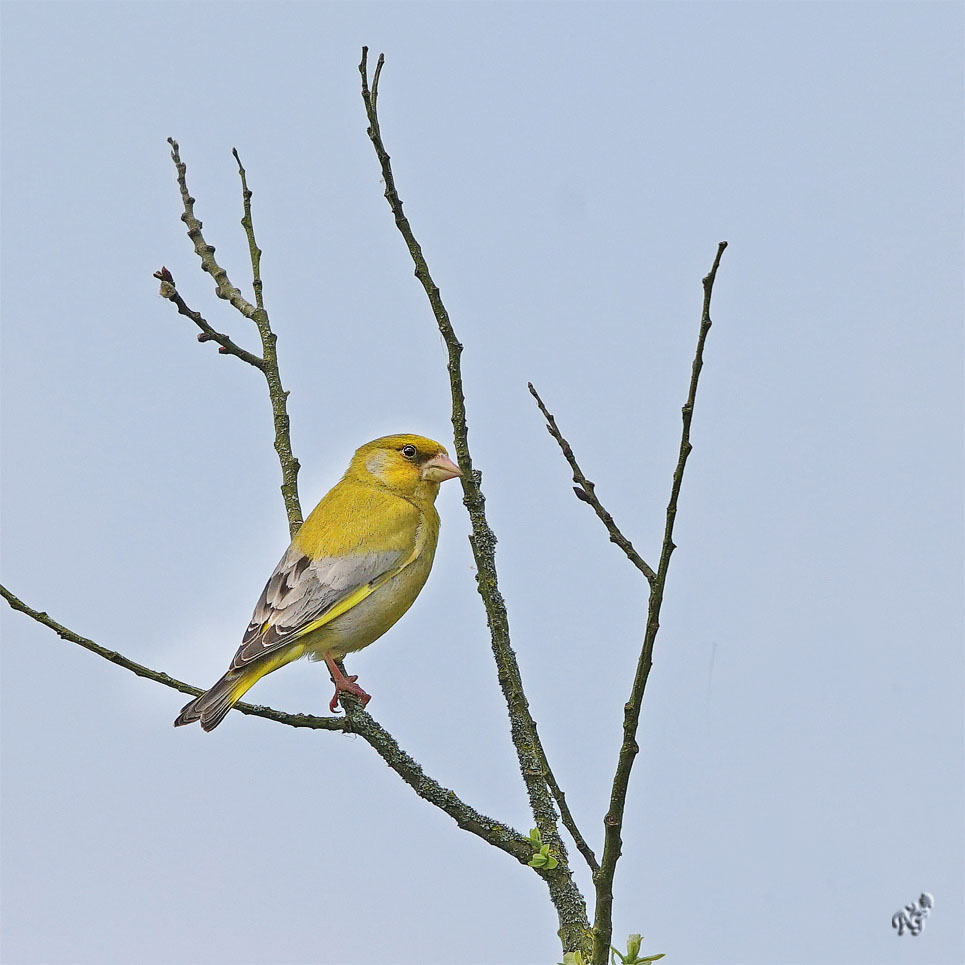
{"type": "Point", "coordinates": [343, 684]}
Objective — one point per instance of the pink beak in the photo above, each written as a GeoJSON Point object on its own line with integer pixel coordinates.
{"type": "Point", "coordinates": [440, 468]}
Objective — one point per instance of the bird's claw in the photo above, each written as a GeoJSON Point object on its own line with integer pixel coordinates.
{"type": "Point", "coordinates": [347, 685]}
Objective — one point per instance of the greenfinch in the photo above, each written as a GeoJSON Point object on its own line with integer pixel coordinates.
{"type": "Point", "coordinates": [354, 567]}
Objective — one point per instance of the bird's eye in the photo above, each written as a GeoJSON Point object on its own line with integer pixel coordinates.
{"type": "Point", "coordinates": [409, 451]}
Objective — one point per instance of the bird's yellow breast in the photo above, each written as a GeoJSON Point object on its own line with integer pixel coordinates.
{"type": "Point", "coordinates": [356, 518]}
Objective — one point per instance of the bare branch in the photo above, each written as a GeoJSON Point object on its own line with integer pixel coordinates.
{"type": "Point", "coordinates": [586, 492]}
{"type": "Point", "coordinates": [566, 897]}
{"type": "Point", "coordinates": [268, 364]}
{"type": "Point", "coordinates": [356, 721]}
{"type": "Point", "coordinates": [222, 284]}
{"type": "Point", "coordinates": [208, 334]}
{"type": "Point", "coordinates": [613, 822]}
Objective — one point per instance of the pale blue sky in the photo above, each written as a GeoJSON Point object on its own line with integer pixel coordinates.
{"type": "Point", "coordinates": [569, 170]}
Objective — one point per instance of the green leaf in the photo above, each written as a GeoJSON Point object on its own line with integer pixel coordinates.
{"type": "Point", "coordinates": [572, 958]}
{"type": "Point", "coordinates": [538, 861]}
{"type": "Point", "coordinates": [632, 955]}
{"type": "Point", "coordinates": [551, 862]}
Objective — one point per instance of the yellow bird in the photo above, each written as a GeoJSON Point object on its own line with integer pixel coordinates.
{"type": "Point", "coordinates": [354, 567]}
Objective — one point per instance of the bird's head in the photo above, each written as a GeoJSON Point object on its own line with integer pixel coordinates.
{"type": "Point", "coordinates": [407, 464]}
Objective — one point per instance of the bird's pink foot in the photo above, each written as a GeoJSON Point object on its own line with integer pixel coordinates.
{"type": "Point", "coordinates": [344, 685]}
{"type": "Point", "coordinates": [347, 685]}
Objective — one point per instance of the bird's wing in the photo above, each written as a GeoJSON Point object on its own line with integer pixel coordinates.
{"type": "Point", "coordinates": [304, 594]}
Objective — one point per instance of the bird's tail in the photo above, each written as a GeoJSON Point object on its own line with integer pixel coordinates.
{"type": "Point", "coordinates": [212, 706]}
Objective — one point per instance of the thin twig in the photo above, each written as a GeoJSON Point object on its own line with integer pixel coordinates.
{"type": "Point", "coordinates": [613, 822]}
{"type": "Point", "coordinates": [276, 391]}
{"type": "Point", "coordinates": [566, 897]}
{"type": "Point", "coordinates": [277, 394]}
{"type": "Point", "coordinates": [208, 334]}
{"type": "Point", "coordinates": [586, 492]}
{"type": "Point", "coordinates": [253, 250]}
{"type": "Point", "coordinates": [566, 816]}
{"type": "Point", "coordinates": [359, 722]}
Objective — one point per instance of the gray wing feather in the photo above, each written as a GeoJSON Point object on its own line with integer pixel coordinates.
{"type": "Point", "coordinates": [300, 591]}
